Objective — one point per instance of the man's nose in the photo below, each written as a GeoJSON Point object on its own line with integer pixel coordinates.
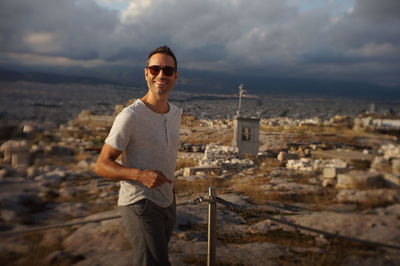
{"type": "Point", "coordinates": [161, 74]}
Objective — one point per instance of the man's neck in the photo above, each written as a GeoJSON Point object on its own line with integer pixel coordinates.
{"type": "Point", "coordinates": [156, 104]}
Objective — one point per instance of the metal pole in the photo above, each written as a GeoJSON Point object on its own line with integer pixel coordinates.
{"type": "Point", "coordinates": [212, 222]}
{"type": "Point", "coordinates": [240, 99]}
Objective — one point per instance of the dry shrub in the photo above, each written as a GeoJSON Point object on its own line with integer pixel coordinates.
{"type": "Point", "coordinates": [268, 164]}
{"type": "Point", "coordinates": [361, 164]}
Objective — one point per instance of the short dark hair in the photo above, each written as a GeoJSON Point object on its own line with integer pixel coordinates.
{"type": "Point", "coordinates": [163, 50]}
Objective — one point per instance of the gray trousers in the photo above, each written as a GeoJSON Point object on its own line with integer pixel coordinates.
{"type": "Point", "coordinates": [149, 228]}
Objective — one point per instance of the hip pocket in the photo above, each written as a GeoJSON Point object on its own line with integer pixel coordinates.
{"type": "Point", "coordinates": [140, 206]}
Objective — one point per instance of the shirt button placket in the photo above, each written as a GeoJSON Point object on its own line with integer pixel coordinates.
{"type": "Point", "coordinates": [166, 130]}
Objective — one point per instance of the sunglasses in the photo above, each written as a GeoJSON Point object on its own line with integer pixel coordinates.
{"type": "Point", "coordinates": [167, 70]}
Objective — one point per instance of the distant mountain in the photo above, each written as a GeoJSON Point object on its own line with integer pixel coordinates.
{"type": "Point", "coordinates": [227, 83]}
{"type": "Point", "coordinates": [209, 82]}
{"type": "Point", "coordinates": [11, 75]}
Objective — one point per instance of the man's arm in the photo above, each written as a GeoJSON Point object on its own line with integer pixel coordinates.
{"type": "Point", "coordinates": [106, 166]}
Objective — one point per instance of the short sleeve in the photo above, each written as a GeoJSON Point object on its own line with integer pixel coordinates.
{"type": "Point", "coordinates": [121, 131]}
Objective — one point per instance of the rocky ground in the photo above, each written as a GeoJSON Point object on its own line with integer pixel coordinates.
{"type": "Point", "coordinates": [324, 176]}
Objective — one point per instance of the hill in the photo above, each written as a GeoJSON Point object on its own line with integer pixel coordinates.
{"type": "Point", "coordinates": [210, 82]}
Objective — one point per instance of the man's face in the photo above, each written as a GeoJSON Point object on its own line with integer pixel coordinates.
{"type": "Point", "coordinates": [160, 84]}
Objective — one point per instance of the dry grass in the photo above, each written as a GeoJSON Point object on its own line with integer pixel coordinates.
{"type": "Point", "coordinates": [257, 193]}
{"type": "Point", "coordinates": [373, 202]}
{"type": "Point", "coordinates": [252, 188]}
{"type": "Point", "coordinates": [281, 237]}
{"type": "Point", "coordinates": [195, 259]}
{"type": "Point", "coordinates": [185, 162]}
{"type": "Point", "coordinates": [312, 130]}
{"type": "Point", "coordinates": [327, 258]}
{"type": "Point", "coordinates": [207, 136]}
{"type": "Point", "coordinates": [319, 201]}
{"type": "Point", "coordinates": [333, 253]}
{"type": "Point", "coordinates": [267, 164]}
{"type": "Point", "coordinates": [199, 186]}
{"type": "Point", "coordinates": [40, 252]}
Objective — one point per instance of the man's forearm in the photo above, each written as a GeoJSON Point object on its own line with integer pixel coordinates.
{"type": "Point", "coordinates": [108, 168]}
{"type": "Point", "coordinates": [115, 171]}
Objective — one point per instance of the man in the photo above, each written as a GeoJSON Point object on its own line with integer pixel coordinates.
{"type": "Point", "coordinates": [146, 135]}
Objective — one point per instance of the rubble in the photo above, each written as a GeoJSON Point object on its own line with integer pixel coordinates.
{"type": "Point", "coordinates": [375, 124]}
{"type": "Point", "coordinates": [360, 179]}
{"type": "Point", "coordinates": [308, 164]}
{"type": "Point", "coordinates": [224, 156]}
{"type": "Point", "coordinates": [390, 151]}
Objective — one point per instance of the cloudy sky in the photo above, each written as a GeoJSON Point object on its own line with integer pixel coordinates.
{"type": "Point", "coordinates": [335, 39]}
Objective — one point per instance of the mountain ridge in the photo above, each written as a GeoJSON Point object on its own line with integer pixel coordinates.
{"type": "Point", "coordinates": [196, 81]}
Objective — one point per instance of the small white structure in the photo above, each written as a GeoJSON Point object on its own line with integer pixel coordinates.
{"type": "Point", "coordinates": [246, 134]}
{"type": "Point", "coordinates": [246, 131]}
{"type": "Point", "coordinates": [16, 152]}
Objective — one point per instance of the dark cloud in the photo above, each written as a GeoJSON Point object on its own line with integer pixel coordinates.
{"type": "Point", "coordinates": [74, 29]}
{"type": "Point", "coordinates": [235, 35]}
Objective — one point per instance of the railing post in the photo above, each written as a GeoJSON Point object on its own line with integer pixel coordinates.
{"type": "Point", "coordinates": [212, 223]}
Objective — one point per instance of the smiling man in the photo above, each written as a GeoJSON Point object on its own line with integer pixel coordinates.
{"type": "Point", "coordinates": [146, 135]}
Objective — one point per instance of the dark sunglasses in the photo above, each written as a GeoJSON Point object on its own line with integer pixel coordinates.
{"type": "Point", "coordinates": [167, 70]}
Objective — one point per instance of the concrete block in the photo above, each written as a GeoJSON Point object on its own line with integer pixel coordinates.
{"type": "Point", "coordinates": [187, 171]}
{"type": "Point", "coordinates": [396, 166]}
{"type": "Point", "coordinates": [329, 173]}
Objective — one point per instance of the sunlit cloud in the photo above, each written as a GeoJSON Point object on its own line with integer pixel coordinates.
{"type": "Point", "coordinates": [43, 42]}
{"type": "Point", "coordinates": [40, 60]}
{"type": "Point", "coordinates": [375, 50]}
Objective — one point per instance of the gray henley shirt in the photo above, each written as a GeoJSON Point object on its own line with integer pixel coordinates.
{"type": "Point", "coordinates": [148, 140]}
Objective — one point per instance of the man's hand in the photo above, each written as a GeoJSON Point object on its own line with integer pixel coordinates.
{"type": "Point", "coordinates": [153, 178]}
{"type": "Point", "coordinates": [108, 167]}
